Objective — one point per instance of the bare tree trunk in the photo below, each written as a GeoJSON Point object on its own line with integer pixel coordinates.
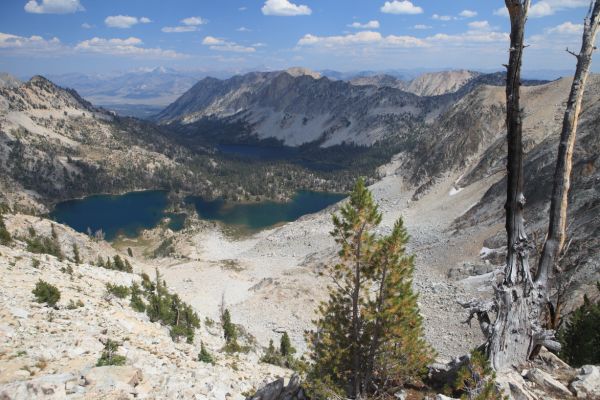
{"type": "Point", "coordinates": [520, 302]}
{"type": "Point", "coordinates": [555, 240]}
{"type": "Point", "coordinates": [510, 337]}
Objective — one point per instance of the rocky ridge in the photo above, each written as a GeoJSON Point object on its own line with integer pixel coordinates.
{"type": "Point", "coordinates": [428, 84]}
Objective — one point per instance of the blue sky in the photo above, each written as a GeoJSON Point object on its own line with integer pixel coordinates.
{"type": "Point", "coordinates": [93, 36]}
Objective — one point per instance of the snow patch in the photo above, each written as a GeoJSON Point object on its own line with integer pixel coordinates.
{"type": "Point", "coordinates": [484, 252]}
{"type": "Point", "coordinates": [454, 191]}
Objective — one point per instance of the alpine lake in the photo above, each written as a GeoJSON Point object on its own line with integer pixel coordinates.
{"type": "Point", "coordinates": [128, 214]}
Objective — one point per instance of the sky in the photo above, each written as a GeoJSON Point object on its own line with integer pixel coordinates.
{"type": "Point", "coordinates": [99, 36]}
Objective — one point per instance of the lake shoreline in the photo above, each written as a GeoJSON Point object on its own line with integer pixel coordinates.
{"type": "Point", "coordinates": [130, 213]}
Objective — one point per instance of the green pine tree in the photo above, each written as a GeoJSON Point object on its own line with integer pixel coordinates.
{"type": "Point", "coordinates": [204, 356]}
{"type": "Point", "coordinates": [76, 255]}
{"type": "Point", "coordinates": [580, 337]}
{"type": "Point", "coordinates": [136, 298]}
{"type": "Point", "coordinates": [476, 379]}
{"type": "Point", "coordinates": [159, 304]}
{"type": "Point", "coordinates": [45, 292]}
{"type": "Point", "coordinates": [109, 355]}
{"type": "Point", "coordinates": [397, 351]}
{"type": "Point", "coordinates": [229, 333]}
{"type": "Point", "coordinates": [5, 237]}
{"type": "Point", "coordinates": [271, 356]}
{"type": "Point", "coordinates": [118, 263]}
{"type": "Point", "coordinates": [285, 345]}
{"type": "Point", "coordinates": [366, 338]}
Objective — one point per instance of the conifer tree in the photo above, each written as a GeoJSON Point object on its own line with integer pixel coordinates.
{"type": "Point", "coordinates": [580, 336]}
{"type": "Point", "coordinates": [229, 332]}
{"type": "Point", "coordinates": [5, 237]}
{"type": "Point", "coordinates": [136, 298]}
{"type": "Point", "coordinates": [285, 345]}
{"type": "Point", "coordinates": [204, 356]}
{"type": "Point", "coordinates": [369, 334]}
{"type": "Point", "coordinates": [397, 350]}
{"type": "Point", "coordinates": [118, 263]}
{"type": "Point", "coordinates": [76, 255]}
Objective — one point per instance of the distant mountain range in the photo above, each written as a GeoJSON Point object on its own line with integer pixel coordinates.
{"type": "Point", "coordinates": [145, 91]}
{"type": "Point", "coordinates": [298, 106]}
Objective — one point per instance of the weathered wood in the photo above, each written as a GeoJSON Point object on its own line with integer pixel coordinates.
{"type": "Point", "coordinates": [510, 337]}
{"type": "Point", "coordinates": [519, 301]}
{"type": "Point", "coordinates": [517, 270]}
{"type": "Point", "coordinates": [562, 176]}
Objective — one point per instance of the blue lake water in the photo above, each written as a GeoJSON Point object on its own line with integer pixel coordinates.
{"type": "Point", "coordinates": [261, 215]}
{"type": "Point", "coordinates": [129, 213]}
{"type": "Point", "coordinates": [124, 214]}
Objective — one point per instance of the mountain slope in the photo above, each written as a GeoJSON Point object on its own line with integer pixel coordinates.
{"type": "Point", "coordinates": [301, 109]}
{"type": "Point", "coordinates": [51, 353]}
{"type": "Point", "coordinates": [8, 80]}
{"type": "Point", "coordinates": [298, 107]}
{"type": "Point", "coordinates": [438, 83]}
{"type": "Point", "coordinates": [59, 145]}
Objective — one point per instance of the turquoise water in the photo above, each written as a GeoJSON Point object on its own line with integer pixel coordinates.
{"type": "Point", "coordinates": [129, 213]}
{"type": "Point", "coordinates": [261, 215]}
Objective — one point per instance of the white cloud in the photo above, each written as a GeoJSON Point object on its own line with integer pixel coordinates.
{"type": "Point", "coordinates": [469, 37]}
{"type": "Point", "coordinates": [189, 24]}
{"type": "Point", "coordinates": [468, 13]}
{"type": "Point", "coordinates": [242, 8]}
{"type": "Point", "coordinates": [37, 46]}
{"type": "Point", "coordinates": [53, 6]}
{"type": "Point", "coordinates": [567, 28]}
{"type": "Point", "coordinates": [130, 47]}
{"type": "Point", "coordinates": [557, 38]}
{"type": "Point", "coordinates": [480, 25]}
{"type": "Point", "coordinates": [544, 8]}
{"type": "Point", "coordinates": [284, 8]}
{"type": "Point", "coordinates": [400, 7]}
{"type": "Point", "coordinates": [85, 25]}
{"type": "Point", "coordinates": [422, 27]}
{"type": "Point", "coordinates": [124, 21]}
{"type": "Point", "coordinates": [194, 21]}
{"type": "Point", "coordinates": [243, 29]}
{"type": "Point", "coordinates": [212, 41]}
{"type": "Point", "coordinates": [442, 17]}
{"type": "Point", "coordinates": [369, 25]}
{"type": "Point", "coordinates": [32, 45]}
{"type": "Point", "coordinates": [480, 36]}
{"type": "Point", "coordinates": [222, 45]}
{"type": "Point", "coordinates": [179, 29]}
{"type": "Point", "coordinates": [369, 38]}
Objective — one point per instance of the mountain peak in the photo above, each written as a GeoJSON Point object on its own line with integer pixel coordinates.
{"type": "Point", "coordinates": [39, 80]}
{"type": "Point", "coordinates": [300, 71]}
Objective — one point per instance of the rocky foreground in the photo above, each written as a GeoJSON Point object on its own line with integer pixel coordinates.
{"type": "Point", "coordinates": [51, 352]}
